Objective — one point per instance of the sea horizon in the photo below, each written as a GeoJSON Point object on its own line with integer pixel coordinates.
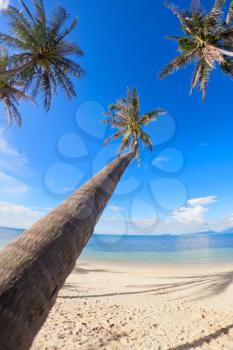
{"type": "Point", "coordinates": [206, 248]}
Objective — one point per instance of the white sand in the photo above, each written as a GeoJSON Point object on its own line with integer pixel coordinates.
{"type": "Point", "coordinates": [130, 307]}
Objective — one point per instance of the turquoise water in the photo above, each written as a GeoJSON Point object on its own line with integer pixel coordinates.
{"type": "Point", "coordinates": [189, 249]}
{"type": "Point", "coordinates": [7, 235]}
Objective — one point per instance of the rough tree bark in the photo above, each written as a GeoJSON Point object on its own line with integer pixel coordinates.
{"type": "Point", "coordinates": [35, 266]}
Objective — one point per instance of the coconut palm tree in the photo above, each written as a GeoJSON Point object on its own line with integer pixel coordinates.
{"type": "Point", "coordinates": [207, 41]}
{"type": "Point", "coordinates": [11, 91]}
{"type": "Point", "coordinates": [124, 116]}
{"type": "Point", "coordinates": [35, 266]}
{"type": "Point", "coordinates": [43, 52]}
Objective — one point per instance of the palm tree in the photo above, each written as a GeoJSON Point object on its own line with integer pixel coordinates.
{"type": "Point", "coordinates": [207, 41]}
{"type": "Point", "coordinates": [11, 91]}
{"type": "Point", "coordinates": [43, 52]}
{"type": "Point", "coordinates": [124, 116]}
{"type": "Point", "coordinates": [35, 266]}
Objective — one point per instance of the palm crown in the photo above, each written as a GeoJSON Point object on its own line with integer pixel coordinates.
{"type": "Point", "coordinates": [43, 61]}
{"type": "Point", "coordinates": [10, 93]}
{"type": "Point", "coordinates": [124, 116]}
{"type": "Point", "coordinates": [207, 40]}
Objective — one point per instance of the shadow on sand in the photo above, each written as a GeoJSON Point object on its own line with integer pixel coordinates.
{"type": "Point", "coordinates": [206, 339]}
{"type": "Point", "coordinates": [208, 285]}
{"type": "Point", "coordinates": [82, 271]}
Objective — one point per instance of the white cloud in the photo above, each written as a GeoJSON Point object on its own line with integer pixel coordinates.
{"type": "Point", "coordinates": [10, 185]}
{"type": "Point", "coordinates": [190, 214]}
{"type": "Point", "coordinates": [116, 208]}
{"type": "Point", "coordinates": [160, 160]}
{"type": "Point", "coordinates": [186, 219]}
{"type": "Point", "coordinates": [11, 160]}
{"type": "Point", "coordinates": [13, 167]}
{"type": "Point", "coordinates": [151, 225]}
{"type": "Point", "coordinates": [116, 225]}
{"type": "Point", "coordinates": [194, 211]}
{"type": "Point", "coordinates": [203, 201]}
{"type": "Point", "coordinates": [22, 216]}
{"type": "Point", "coordinates": [4, 4]}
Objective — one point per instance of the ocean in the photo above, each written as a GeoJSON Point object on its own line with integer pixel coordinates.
{"type": "Point", "coordinates": [146, 249]}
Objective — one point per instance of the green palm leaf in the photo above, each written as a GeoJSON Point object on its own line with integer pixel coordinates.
{"type": "Point", "coordinates": [125, 118]}
{"type": "Point", "coordinates": [178, 63]}
{"type": "Point", "coordinates": [10, 94]}
{"type": "Point", "coordinates": [44, 60]}
{"type": "Point", "coordinates": [207, 42]}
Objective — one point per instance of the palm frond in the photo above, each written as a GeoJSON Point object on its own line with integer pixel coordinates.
{"type": "Point", "coordinates": [125, 141]}
{"type": "Point", "coordinates": [64, 81]}
{"type": "Point", "coordinates": [124, 116]}
{"type": "Point", "coordinates": [177, 63]}
{"type": "Point", "coordinates": [227, 67]}
{"type": "Point", "coordinates": [69, 29]}
{"type": "Point", "coordinates": [114, 136]}
{"type": "Point", "coordinates": [146, 140]}
{"type": "Point", "coordinates": [174, 9]}
{"type": "Point", "coordinates": [115, 123]}
{"type": "Point", "coordinates": [9, 96]}
{"type": "Point", "coordinates": [217, 8]}
{"type": "Point", "coordinates": [204, 78]}
{"type": "Point", "coordinates": [69, 48]}
{"type": "Point", "coordinates": [207, 42]}
{"type": "Point", "coordinates": [12, 113]}
{"type": "Point", "coordinates": [43, 60]}
{"type": "Point", "coordinates": [28, 12]}
{"type": "Point", "coordinates": [20, 26]}
{"type": "Point", "coordinates": [59, 18]}
{"type": "Point", "coordinates": [151, 116]}
{"type": "Point", "coordinates": [41, 16]}
{"type": "Point", "coordinates": [45, 82]}
{"type": "Point", "coordinates": [230, 13]}
{"type": "Point", "coordinates": [68, 66]}
{"type": "Point", "coordinates": [11, 41]}
{"type": "Point", "coordinates": [196, 77]}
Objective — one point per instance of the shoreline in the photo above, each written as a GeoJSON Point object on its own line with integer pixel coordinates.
{"type": "Point", "coordinates": [120, 307]}
{"type": "Point", "coordinates": [153, 265]}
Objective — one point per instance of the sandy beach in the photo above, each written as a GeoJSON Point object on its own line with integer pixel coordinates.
{"type": "Point", "coordinates": [111, 306]}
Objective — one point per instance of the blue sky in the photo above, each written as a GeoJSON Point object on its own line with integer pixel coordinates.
{"type": "Point", "coordinates": [54, 153]}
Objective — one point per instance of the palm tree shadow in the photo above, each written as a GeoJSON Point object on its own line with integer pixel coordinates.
{"type": "Point", "coordinates": [209, 285]}
{"type": "Point", "coordinates": [206, 339]}
{"type": "Point", "coordinates": [106, 294]}
{"type": "Point", "coordinates": [84, 271]}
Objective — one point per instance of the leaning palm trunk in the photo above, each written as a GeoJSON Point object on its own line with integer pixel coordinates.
{"type": "Point", "coordinates": [35, 266]}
